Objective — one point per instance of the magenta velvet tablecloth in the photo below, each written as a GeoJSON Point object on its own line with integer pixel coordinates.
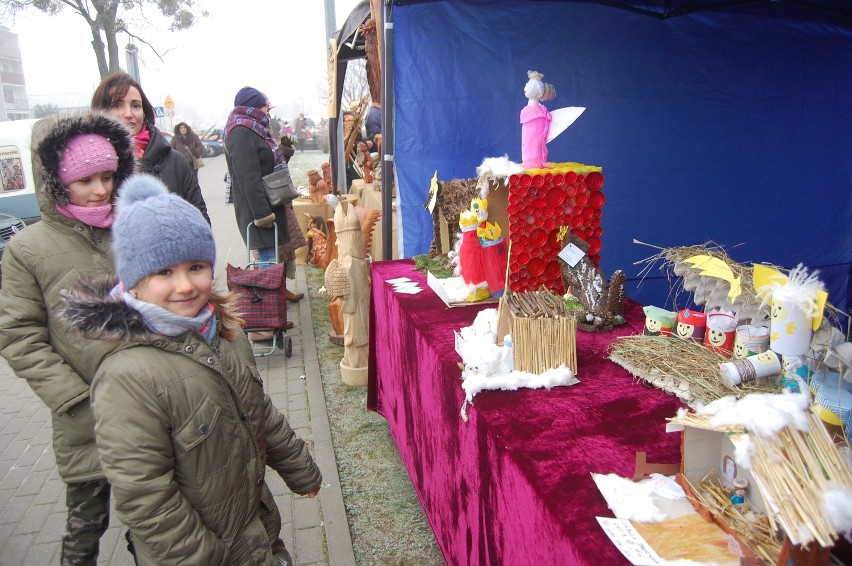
{"type": "Point", "coordinates": [511, 486]}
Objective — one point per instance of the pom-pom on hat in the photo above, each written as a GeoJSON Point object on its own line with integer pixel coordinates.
{"type": "Point", "coordinates": [248, 96]}
{"type": "Point", "coordinates": [86, 155]}
{"type": "Point", "coordinates": [155, 229]}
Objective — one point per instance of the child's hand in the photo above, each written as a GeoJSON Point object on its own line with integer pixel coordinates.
{"type": "Point", "coordinates": [313, 494]}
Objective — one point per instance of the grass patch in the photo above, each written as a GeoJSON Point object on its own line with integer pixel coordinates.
{"type": "Point", "coordinates": [385, 517]}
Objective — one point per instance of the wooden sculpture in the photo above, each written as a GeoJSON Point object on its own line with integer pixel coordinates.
{"type": "Point", "coordinates": [347, 277]}
{"type": "Point", "coordinates": [318, 188]}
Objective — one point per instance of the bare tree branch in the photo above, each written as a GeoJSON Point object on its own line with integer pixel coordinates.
{"type": "Point", "coordinates": [104, 21]}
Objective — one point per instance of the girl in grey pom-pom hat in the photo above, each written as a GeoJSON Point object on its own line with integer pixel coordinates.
{"type": "Point", "coordinates": [181, 417]}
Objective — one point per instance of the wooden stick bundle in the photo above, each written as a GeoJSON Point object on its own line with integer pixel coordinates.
{"type": "Point", "coordinates": [543, 332]}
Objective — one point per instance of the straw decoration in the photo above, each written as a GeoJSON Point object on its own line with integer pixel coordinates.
{"type": "Point", "coordinates": [793, 470]}
{"type": "Point", "coordinates": [748, 306]}
{"type": "Point", "coordinates": [758, 536]}
{"type": "Point", "coordinates": [683, 367]}
{"type": "Point", "coordinates": [543, 331]}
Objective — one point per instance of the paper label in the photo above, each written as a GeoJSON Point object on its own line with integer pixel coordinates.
{"type": "Point", "coordinates": [459, 343]}
{"type": "Point", "coordinates": [433, 193]}
{"type": "Point", "coordinates": [571, 254]}
{"type": "Point", "coordinates": [628, 540]}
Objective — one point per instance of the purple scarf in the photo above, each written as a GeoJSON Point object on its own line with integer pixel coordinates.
{"type": "Point", "coordinates": [257, 121]}
{"type": "Point", "coordinates": [97, 216]}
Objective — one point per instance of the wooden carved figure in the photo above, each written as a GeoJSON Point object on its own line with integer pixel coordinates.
{"type": "Point", "coordinates": [348, 277]}
{"type": "Point", "coordinates": [318, 241]}
{"type": "Point", "coordinates": [318, 187]}
{"type": "Point", "coordinates": [326, 176]}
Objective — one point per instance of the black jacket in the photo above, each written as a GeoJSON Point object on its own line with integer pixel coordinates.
{"type": "Point", "coordinates": [249, 158]}
{"type": "Point", "coordinates": [171, 168]}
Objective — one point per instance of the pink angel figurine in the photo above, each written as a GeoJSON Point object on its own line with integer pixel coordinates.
{"type": "Point", "coordinates": [535, 122]}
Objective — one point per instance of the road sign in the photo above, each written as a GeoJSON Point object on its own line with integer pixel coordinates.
{"type": "Point", "coordinates": [159, 112]}
{"type": "Point", "coordinates": [170, 113]}
{"type": "Point", "coordinates": [169, 103]}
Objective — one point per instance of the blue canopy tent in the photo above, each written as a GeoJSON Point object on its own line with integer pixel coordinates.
{"type": "Point", "coordinates": [728, 123]}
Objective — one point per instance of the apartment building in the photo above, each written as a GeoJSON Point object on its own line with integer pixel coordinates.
{"type": "Point", "coordinates": [13, 103]}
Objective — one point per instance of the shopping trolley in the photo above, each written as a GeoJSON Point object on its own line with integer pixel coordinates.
{"type": "Point", "coordinates": [260, 288]}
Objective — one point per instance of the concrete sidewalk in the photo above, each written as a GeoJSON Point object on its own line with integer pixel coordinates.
{"type": "Point", "coordinates": [32, 497]}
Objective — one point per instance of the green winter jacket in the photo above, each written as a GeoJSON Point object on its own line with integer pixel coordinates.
{"type": "Point", "coordinates": [185, 432]}
{"type": "Point", "coordinates": [38, 264]}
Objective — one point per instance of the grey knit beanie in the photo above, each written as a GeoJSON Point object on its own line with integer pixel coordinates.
{"type": "Point", "coordinates": [154, 229]}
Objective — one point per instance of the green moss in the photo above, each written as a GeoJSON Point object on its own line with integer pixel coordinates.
{"type": "Point", "coordinates": [438, 266]}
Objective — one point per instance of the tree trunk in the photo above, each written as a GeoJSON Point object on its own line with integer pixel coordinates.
{"type": "Point", "coordinates": [98, 47]}
{"type": "Point", "coordinates": [112, 49]}
{"type": "Point", "coordinates": [107, 19]}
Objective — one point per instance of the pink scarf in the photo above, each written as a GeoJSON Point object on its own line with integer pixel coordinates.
{"type": "Point", "coordinates": [141, 141]}
{"type": "Point", "coordinates": [97, 216]}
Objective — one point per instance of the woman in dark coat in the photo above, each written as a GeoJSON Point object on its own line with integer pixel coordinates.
{"type": "Point", "coordinates": [252, 153]}
{"type": "Point", "coordinates": [120, 95]}
{"type": "Point", "coordinates": [189, 145]}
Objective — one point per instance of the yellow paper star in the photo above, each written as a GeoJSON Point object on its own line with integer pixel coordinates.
{"type": "Point", "coordinates": [791, 328]}
{"type": "Point", "coordinates": [774, 336]}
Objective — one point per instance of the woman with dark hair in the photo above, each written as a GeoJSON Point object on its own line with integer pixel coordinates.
{"type": "Point", "coordinates": [189, 145]}
{"type": "Point", "coordinates": [120, 95]}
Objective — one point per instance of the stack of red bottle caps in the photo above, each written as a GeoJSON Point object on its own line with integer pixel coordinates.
{"type": "Point", "coordinates": [544, 206]}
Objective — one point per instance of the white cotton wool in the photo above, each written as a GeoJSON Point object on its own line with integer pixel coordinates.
{"type": "Point", "coordinates": [836, 505]}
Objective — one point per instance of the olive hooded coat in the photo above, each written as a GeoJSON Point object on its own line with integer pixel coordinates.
{"type": "Point", "coordinates": [38, 264]}
{"type": "Point", "coordinates": [185, 432]}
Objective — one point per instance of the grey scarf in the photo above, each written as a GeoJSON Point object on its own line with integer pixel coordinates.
{"type": "Point", "coordinates": [163, 321]}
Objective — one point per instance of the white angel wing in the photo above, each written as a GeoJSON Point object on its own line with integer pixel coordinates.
{"type": "Point", "coordinates": [561, 118]}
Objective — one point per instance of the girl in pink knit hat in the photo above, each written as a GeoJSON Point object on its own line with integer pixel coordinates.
{"type": "Point", "coordinates": [82, 160]}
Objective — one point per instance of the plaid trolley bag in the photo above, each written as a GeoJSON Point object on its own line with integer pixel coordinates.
{"type": "Point", "coordinates": [261, 303]}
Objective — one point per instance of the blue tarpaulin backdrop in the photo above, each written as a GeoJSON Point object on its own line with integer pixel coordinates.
{"type": "Point", "coordinates": [719, 126]}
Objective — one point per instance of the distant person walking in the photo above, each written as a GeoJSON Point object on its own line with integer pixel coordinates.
{"type": "Point", "coordinates": [189, 145]}
{"type": "Point", "coordinates": [80, 162]}
{"type": "Point", "coordinates": [301, 132]}
{"type": "Point", "coordinates": [120, 95]}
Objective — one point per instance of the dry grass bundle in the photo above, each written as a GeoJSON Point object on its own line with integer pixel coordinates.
{"type": "Point", "coordinates": [759, 536]}
{"type": "Point", "coordinates": [683, 367]}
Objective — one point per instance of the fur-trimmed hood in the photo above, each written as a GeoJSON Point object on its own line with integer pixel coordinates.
{"type": "Point", "coordinates": [92, 311]}
{"type": "Point", "coordinates": [51, 146]}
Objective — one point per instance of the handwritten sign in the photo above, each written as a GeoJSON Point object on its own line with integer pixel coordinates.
{"type": "Point", "coordinates": [571, 254]}
{"type": "Point", "coordinates": [628, 540]}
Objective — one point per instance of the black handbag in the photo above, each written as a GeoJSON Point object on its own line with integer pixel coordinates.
{"type": "Point", "coordinates": [279, 187]}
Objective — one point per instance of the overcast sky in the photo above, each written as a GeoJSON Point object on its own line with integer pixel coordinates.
{"type": "Point", "coordinates": [277, 46]}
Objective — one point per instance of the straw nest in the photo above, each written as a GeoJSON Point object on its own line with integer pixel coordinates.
{"type": "Point", "coordinates": [682, 367]}
{"type": "Point", "coordinates": [712, 292]}
{"type": "Point", "coordinates": [796, 470]}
